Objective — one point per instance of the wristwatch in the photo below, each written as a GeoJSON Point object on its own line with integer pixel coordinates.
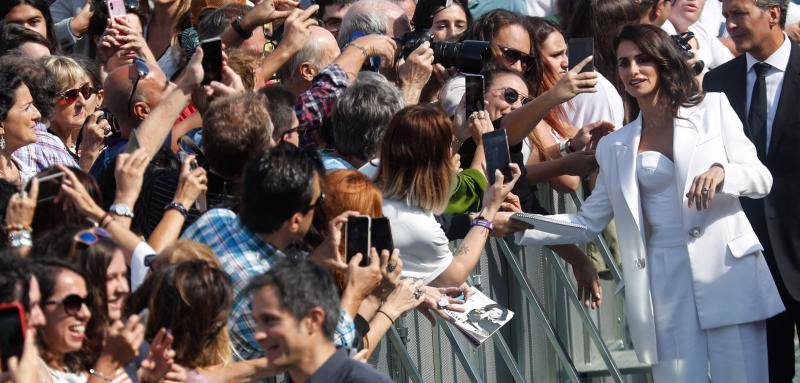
{"type": "Point", "coordinates": [121, 210]}
{"type": "Point", "coordinates": [237, 26]}
{"type": "Point", "coordinates": [20, 238]}
{"type": "Point", "coordinates": [564, 148]}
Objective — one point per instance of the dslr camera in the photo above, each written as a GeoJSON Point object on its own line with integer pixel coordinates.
{"type": "Point", "coordinates": [468, 56]}
{"type": "Point", "coordinates": [682, 41]}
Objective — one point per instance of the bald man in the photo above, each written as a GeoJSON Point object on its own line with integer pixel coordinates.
{"type": "Point", "coordinates": [319, 51]}
{"type": "Point", "coordinates": [130, 107]}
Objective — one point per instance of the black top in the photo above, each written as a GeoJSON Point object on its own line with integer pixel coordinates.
{"type": "Point", "coordinates": [339, 368]}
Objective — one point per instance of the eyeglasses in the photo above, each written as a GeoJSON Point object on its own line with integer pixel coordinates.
{"type": "Point", "coordinates": [319, 202]}
{"type": "Point", "coordinates": [142, 70]}
{"type": "Point", "coordinates": [72, 303]}
{"type": "Point", "coordinates": [511, 96]}
{"type": "Point", "coordinates": [289, 133]}
{"type": "Point", "coordinates": [69, 96]}
{"type": "Point", "coordinates": [87, 238]}
{"type": "Point", "coordinates": [512, 55]}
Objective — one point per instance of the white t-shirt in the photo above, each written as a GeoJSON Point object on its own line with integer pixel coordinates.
{"type": "Point", "coordinates": [709, 48]}
{"type": "Point", "coordinates": [605, 105]}
{"type": "Point", "coordinates": [422, 243]}
{"type": "Point", "coordinates": [542, 8]}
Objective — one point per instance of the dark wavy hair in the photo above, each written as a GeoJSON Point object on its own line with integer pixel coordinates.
{"type": "Point", "coordinates": [9, 82]}
{"type": "Point", "coordinates": [42, 6]}
{"type": "Point", "coordinates": [40, 81]}
{"type": "Point", "coordinates": [676, 80]}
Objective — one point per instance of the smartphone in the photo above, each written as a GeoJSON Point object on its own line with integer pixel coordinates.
{"type": "Point", "coordinates": [49, 186]}
{"type": "Point", "coordinates": [132, 5]}
{"type": "Point", "coordinates": [12, 331]}
{"type": "Point", "coordinates": [579, 49]}
{"type": "Point", "coordinates": [212, 60]}
{"type": "Point", "coordinates": [357, 238]}
{"type": "Point", "coordinates": [381, 235]}
{"type": "Point", "coordinates": [201, 198]}
{"type": "Point", "coordinates": [495, 148]}
{"type": "Point", "coordinates": [373, 63]}
{"type": "Point", "coordinates": [116, 8]}
{"type": "Point", "coordinates": [474, 93]}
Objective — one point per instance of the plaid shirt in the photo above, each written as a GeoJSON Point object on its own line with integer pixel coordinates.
{"type": "Point", "coordinates": [317, 102]}
{"type": "Point", "coordinates": [47, 151]}
{"type": "Point", "coordinates": [244, 255]}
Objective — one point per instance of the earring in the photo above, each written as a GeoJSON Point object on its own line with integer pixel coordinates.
{"type": "Point", "coordinates": [2, 142]}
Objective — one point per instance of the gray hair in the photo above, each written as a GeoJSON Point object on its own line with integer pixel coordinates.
{"type": "Point", "coordinates": [782, 4]}
{"type": "Point", "coordinates": [366, 16]}
{"type": "Point", "coordinates": [363, 113]}
{"type": "Point", "coordinates": [310, 52]}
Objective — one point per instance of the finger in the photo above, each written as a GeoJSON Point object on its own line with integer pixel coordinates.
{"type": "Point", "coordinates": [310, 11]}
{"type": "Point", "coordinates": [515, 172]}
{"type": "Point", "coordinates": [385, 258]}
{"type": "Point", "coordinates": [374, 259]}
{"type": "Point", "coordinates": [132, 322]}
{"type": "Point", "coordinates": [160, 335]}
{"type": "Point", "coordinates": [692, 191]}
{"type": "Point", "coordinates": [712, 191]}
{"type": "Point", "coordinates": [186, 166]}
{"type": "Point", "coordinates": [578, 68]}
{"type": "Point", "coordinates": [355, 260]}
{"type": "Point", "coordinates": [34, 192]}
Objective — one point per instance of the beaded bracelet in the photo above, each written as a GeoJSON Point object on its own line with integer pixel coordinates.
{"type": "Point", "coordinates": [17, 227]}
{"type": "Point", "coordinates": [179, 207]}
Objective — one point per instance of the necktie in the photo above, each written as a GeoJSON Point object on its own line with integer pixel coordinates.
{"type": "Point", "coordinates": [757, 118]}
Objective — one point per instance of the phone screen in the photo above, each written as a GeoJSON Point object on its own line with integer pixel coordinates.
{"type": "Point", "coordinates": [474, 93]}
{"type": "Point", "coordinates": [495, 148]}
{"type": "Point", "coordinates": [116, 8]}
{"type": "Point", "coordinates": [382, 235]}
{"type": "Point", "coordinates": [373, 63]}
{"type": "Point", "coordinates": [212, 60]}
{"type": "Point", "coordinates": [357, 238]}
{"type": "Point", "coordinates": [12, 331]}
{"type": "Point", "coordinates": [49, 186]}
{"type": "Point", "coordinates": [579, 49]}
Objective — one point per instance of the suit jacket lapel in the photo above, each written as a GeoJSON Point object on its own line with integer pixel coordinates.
{"type": "Point", "coordinates": [626, 166]}
{"type": "Point", "coordinates": [787, 105]}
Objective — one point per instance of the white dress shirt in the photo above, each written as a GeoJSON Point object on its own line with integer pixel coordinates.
{"type": "Point", "coordinates": [778, 62]}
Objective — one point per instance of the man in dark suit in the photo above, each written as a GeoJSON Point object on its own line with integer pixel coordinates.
{"type": "Point", "coordinates": [763, 86]}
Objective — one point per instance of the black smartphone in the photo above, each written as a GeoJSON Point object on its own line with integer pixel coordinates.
{"type": "Point", "coordinates": [212, 60]}
{"type": "Point", "coordinates": [201, 202]}
{"type": "Point", "coordinates": [381, 235]}
{"type": "Point", "coordinates": [12, 331]}
{"type": "Point", "coordinates": [474, 92]}
{"type": "Point", "coordinates": [579, 49]}
{"type": "Point", "coordinates": [495, 148]}
{"type": "Point", "coordinates": [357, 238]}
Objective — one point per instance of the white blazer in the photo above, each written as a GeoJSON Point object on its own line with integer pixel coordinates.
{"type": "Point", "coordinates": [732, 283]}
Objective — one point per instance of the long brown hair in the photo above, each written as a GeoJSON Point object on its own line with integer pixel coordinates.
{"type": "Point", "coordinates": [677, 84]}
{"type": "Point", "coordinates": [540, 29]}
{"type": "Point", "coordinates": [415, 160]}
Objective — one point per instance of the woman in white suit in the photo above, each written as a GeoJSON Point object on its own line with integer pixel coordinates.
{"type": "Point", "coordinates": [697, 288]}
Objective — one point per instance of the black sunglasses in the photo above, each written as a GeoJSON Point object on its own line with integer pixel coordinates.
{"type": "Point", "coordinates": [142, 70]}
{"type": "Point", "coordinates": [319, 202]}
{"type": "Point", "coordinates": [72, 303]}
{"type": "Point", "coordinates": [513, 55]}
{"type": "Point", "coordinates": [510, 95]}
{"type": "Point", "coordinates": [69, 96]}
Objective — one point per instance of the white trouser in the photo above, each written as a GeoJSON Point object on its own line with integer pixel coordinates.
{"type": "Point", "coordinates": [686, 353]}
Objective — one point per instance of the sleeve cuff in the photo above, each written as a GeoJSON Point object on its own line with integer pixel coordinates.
{"type": "Point", "coordinates": [138, 269]}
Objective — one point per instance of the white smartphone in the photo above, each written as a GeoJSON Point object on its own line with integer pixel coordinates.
{"type": "Point", "coordinates": [116, 8]}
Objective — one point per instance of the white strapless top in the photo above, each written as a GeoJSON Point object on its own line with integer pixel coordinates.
{"type": "Point", "coordinates": [661, 208]}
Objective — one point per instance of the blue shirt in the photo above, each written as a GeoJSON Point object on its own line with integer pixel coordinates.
{"type": "Point", "coordinates": [244, 255]}
{"type": "Point", "coordinates": [339, 368]}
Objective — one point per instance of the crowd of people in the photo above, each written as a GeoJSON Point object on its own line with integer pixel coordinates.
{"type": "Point", "coordinates": [163, 223]}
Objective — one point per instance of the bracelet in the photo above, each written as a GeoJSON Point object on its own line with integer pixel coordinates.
{"type": "Point", "coordinates": [387, 315]}
{"type": "Point", "coordinates": [179, 207]}
{"type": "Point", "coordinates": [236, 26]}
{"type": "Point", "coordinates": [20, 238]}
{"type": "Point", "coordinates": [362, 49]}
{"type": "Point", "coordinates": [17, 227]}
{"type": "Point", "coordinates": [482, 222]}
{"type": "Point", "coordinates": [100, 375]}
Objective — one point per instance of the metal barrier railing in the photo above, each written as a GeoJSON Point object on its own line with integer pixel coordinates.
{"type": "Point", "coordinates": [536, 306]}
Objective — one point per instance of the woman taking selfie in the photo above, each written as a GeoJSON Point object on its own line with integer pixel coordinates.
{"type": "Point", "coordinates": [697, 288]}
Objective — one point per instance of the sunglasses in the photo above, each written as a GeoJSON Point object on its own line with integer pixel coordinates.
{"type": "Point", "coordinates": [142, 70]}
{"type": "Point", "coordinates": [511, 96]}
{"type": "Point", "coordinates": [68, 97]}
{"type": "Point", "coordinates": [513, 55]}
{"type": "Point", "coordinates": [319, 202]}
{"type": "Point", "coordinates": [72, 303]}
{"type": "Point", "coordinates": [87, 238]}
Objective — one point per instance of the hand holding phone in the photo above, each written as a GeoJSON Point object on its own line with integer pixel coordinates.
{"type": "Point", "coordinates": [116, 8]}
{"type": "Point", "coordinates": [475, 90]}
{"type": "Point", "coordinates": [357, 238]}
{"type": "Point", "coordinates": [381, 235]}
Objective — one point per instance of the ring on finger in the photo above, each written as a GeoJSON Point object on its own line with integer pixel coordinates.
{"type": "Point", "coordinates": [391, 267]}
{"type": "Point", "coordinates": [443, 302]}
{"type": "Point", "coordinates": [705, 190]}
{"type": "Point", "coordinates": [417, 293]}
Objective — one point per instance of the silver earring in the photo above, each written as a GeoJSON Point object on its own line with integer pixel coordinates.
{"type": "Point", "coordinates": [2, 142]}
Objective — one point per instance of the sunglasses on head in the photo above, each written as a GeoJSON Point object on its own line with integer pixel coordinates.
{"type": "Point", "coordinates": [511, 96]}
{"type": "Point", "coordinates": [72, 303]}
{"type": "Point", "coordinates": [513, 55]}
{"type": "Point", "coordinates": [142, 70]}
{"type": "Point", "coordinates": [69, 96]}
{"type": "Point", "coordinates": [87, 238]}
